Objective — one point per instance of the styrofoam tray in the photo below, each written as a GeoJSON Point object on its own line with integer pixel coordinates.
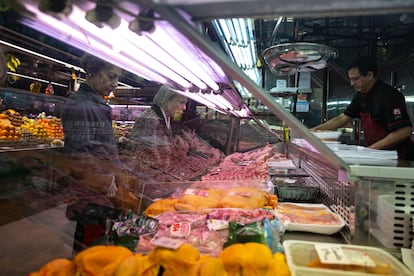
{"type": "Point", "coordinates": [326, 229]}
{"type": "Point", "coordinates": [355, 151]}
{"type": "Point", "coordinates": [331, 135]}
{"type": "Point", "coordinates": [300, 253]}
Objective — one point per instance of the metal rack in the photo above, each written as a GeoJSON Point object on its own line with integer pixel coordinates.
{"type": "Point", "coordinates": [357, 195]}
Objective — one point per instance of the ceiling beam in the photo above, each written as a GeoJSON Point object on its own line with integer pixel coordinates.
{"type": "Point", "coordinates": [202, 10]}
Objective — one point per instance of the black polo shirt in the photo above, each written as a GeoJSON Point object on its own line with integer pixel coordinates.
{"type": "Point", "coordinates": [386, 107]}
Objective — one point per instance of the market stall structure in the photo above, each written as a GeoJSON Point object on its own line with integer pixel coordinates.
{"type": "Point", "coordinates": [357, 193]}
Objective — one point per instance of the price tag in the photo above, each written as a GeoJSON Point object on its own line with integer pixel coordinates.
{"type": "Point", "coordinates": [217, 224]}
{"type": "Point", "coordinates": [336, 254]}
{"type": "Point", "coordinates": [167, 242]}
{"type": "Point", "coordinates": [180, 229]}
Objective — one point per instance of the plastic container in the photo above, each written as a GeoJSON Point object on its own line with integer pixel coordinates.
{"type": "Point", "coordinates": [297, 193]}
{"type": "Point", "coordinates": [394, 222]}
{"type": "Point", "coordinates": [300, 253]}
{"type": "Point", "coordinates": [295, 189]}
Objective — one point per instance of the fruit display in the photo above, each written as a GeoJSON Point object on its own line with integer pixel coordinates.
{"type": "Point", "coordinates": [13, 116]}
{"type": "Point", "coordinates": [16, 127]}
{"type": "Point", "coordinates": [42, 128]}
{"type": "Point", "coordinates": [8, 132]}
{"type": "Point", "coordinates": [122, 130]}
{"type": "Point", "coordinates": [238, 259]}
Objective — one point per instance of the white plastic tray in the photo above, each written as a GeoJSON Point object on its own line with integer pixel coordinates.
{"type": "Point", "coordinates": [322, 228]}
{"type": "Point", "coordinates": [300, 253]}
{"type": "Point", "coordinates": [329, 135]}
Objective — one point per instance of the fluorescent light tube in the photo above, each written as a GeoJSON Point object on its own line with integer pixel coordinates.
{"type": "Point", "coordinates": [164, 34]}
{"type": "Point", "coordinates": [36, 79]}
{"type": "Point", "coordinates": [123, 52]}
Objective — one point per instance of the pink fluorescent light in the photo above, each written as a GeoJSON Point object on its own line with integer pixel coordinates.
{"type": "Point", "coordinates": [142, 55]}
{"type": "Point", "coordinates": [97, 48]}
{"type": "Point", "coordinates": [121, 45]}
{"type": "Point", "coordinates": [75, 36]}
{"type": "Point", "coordinates": [154, 50]}
{"type": "Point", "coordinates": [222, 100]}
{"type": "Point", "coordinates": [92, 39]}
{"type": "Point", "coordinates": [163, 35]}
{"type": "Point", "coordinates": [208, 100]}
{"type": "Point", "coordinates": [198, 98]}
{"type": "Point", "coordinates": [141, 49]}
{"type": "Point", "coordinates": [218, 104]}
{"type": "Point", "coordinates": [244, 113]}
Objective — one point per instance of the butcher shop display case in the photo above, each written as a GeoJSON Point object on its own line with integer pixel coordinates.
{"type": "Point", "coordinates": [228, 167]}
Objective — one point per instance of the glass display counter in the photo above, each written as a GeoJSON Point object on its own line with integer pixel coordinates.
{"type": "Point", "coordinates": [375, 200]}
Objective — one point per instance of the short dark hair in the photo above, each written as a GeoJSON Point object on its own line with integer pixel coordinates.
{"type": "Point", "coordinates": [364, 65]}
{"type": "Point", "coordinates": [92, 64]}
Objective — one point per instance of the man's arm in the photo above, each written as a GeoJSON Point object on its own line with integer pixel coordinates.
{"type": "Point", "coordinates": [334, 123]}
{"type": "Point", "coordinates": [393, 138]}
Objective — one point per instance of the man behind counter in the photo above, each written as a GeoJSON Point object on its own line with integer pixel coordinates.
{"type": "Point", "coordinates": [380, 107]}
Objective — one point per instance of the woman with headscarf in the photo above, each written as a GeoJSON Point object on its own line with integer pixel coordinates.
{"type": "Point", "coordinates": [155, 140]}
{"type": "Point", "coordinates": [162, 120]}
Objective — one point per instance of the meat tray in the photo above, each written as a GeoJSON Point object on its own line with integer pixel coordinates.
{"type": "Point", "coordinates": [151, 191]}
{"type": "Point", "coordinates": [306, 217]}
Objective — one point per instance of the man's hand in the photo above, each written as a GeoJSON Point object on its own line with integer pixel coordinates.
{"type": "Point", "coordinates": [334, 123]}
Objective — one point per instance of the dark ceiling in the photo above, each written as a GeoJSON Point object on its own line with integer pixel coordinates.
{"type": "Point", "coordinates": [393, 33]}
{"type": "Point", "coordinates": [388, 38]}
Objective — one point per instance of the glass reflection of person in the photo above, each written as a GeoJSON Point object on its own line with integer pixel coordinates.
{"type": "Point", "coordinates": [162, 120]}
{"type": "Point", "coordinates": [156, 135]}
{"type": "Point", "coordinates": [86, 117]}
{"type": "Point", "coordinates": [90, 148]}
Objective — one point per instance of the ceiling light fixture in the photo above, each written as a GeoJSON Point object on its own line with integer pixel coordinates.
{"type": "Point", "coordinates": [67, 65]}
{"type": "Point", "coordinates": [172, 42]}
{"type": "Point", "coordinates": [57, 8]}
{"type": "Point", "coordinates": [143, 23]}
{"type": "Point", "coordinates": [240, 44]}
{"type": "Point", "coordinates": [163, 55]}
{"type": "Point", "coordinates": [103, 14]}
{"type": "Point", "coordinates": [138, 54]}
